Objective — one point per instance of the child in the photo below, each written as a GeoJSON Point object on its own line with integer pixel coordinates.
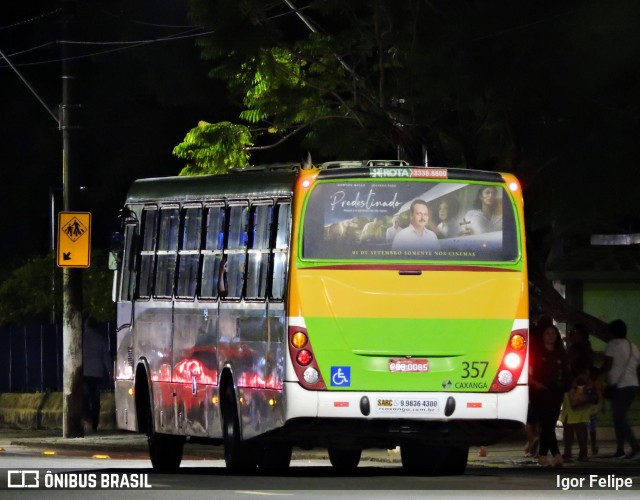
{"type": "Point", "coordinates": [575, 415]}
{"type": "Point", "coordinates": [598, 405]}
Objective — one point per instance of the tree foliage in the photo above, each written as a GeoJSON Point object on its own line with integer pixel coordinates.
{"type": "Point", "coordinates": [546, 90]}
{"type": "Point", "coordinates": [214, 148]}
{"type": "Point", "coordinates": [26, 295]}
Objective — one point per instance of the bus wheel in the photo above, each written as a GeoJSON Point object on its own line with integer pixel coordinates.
{"type": "Point", "coordinates": [414, 459]}
{"type": "Point", "coordinates": [165, 451]}
{"type": "Point", "coordinates": [238, 454]}
{"type": "Point", "coordinates": [454, 460]}
{"type": "Point", "coordinates": [346, 459]}
{"type": "Point", "coordinates": [424, 459]}
{"type": "Point", "coordinates": [275, 457]}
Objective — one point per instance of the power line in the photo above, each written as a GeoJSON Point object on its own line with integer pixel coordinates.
{"type": "Point", "coordinates": [152, 40]}
{"type": "Point", "coordinates": [133, 21]}
{"type": "Point", "coordinates": [31, 20]}
{"type": "Point", "coordinates": [31, 89]}
{"type": "Point", "coordinates": [130, 45]}
{"type": "Point", "coordinates": [32, 49]}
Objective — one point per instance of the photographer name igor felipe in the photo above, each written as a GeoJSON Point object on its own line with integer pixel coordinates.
{"type": "Point", "coordinates": [594, 481]}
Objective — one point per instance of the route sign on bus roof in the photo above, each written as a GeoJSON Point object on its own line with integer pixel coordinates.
{"type": "Point", "coordinates": [74, 239]}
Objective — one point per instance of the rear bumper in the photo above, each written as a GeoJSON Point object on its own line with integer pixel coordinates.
{"type": "Point", "coordinates": [466, 405]}
{"type": "Point", "coordinates": [472, 418]}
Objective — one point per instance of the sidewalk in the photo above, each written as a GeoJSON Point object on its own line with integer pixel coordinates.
{"type": "Point", "coordinates": [508, 453]}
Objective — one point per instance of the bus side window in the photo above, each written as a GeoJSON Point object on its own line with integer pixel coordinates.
{"type": "Point", "coordinates": [147, 252]}
{"type": "Point", "coordinates": [212, 251]}
{"type": "Point", "coordinates": [128, 265]}
{"type": "Point", "coordinates": [258, 262]}
{"type": "Point", "coordinates": [189, 254]}
{"type": "Point", "coordinates": [167, 251]}
{"type": "Point", "coordinates": [235, 253]}
{"type": "Point", "coordinates": [281, 252]}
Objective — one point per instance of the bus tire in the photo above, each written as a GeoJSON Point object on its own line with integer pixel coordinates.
{"type": "Point", "coordinates": [345, 459]}
{"type": "Point", "coordinates": [429, 460]}
{"type": "Point", "coordinates": [275, 457]}
{"type": "Point", "coordinates": [455, 460]}
{"type": "Point", "coordinates": [238, 454]}
{"type": "Point", "coordinates": [165, 451]}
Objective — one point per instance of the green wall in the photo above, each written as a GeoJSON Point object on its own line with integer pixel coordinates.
{"type": "Point", "coordinates": [609, 301]}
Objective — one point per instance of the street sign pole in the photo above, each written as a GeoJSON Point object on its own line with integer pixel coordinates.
{"type": "Point", "coordinates": [71, 278]}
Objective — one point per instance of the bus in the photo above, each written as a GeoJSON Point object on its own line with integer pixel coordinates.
{"type": "Point", "coordinates": [346, 306]}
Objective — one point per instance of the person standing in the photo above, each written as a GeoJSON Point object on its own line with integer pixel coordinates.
{"type": "Point", "coordinates": [548, 380]}
{"type": "Point", "coordinates": [532, 429]}
{"type": "Point", "coordinates": [575, 414]}
{"type": "Point", "coordinates": [96, 360]}
{"type": "Point", "coordinates": [394, 229]}
{"type": "Point", "coordinates": [621, 359]}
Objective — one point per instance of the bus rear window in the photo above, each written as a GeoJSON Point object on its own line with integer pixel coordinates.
{"type": "Point", "coordinates": [409, 220]}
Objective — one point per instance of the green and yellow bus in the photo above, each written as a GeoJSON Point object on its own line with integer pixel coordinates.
{"type": "Point", "coordinates": [350, 306]}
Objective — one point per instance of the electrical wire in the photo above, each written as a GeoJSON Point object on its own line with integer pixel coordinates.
{"type": "Point", "coordinates": [133, 21]}
{"type": "Point", "coordinates": [31, 20]}
{"type": "Point", "coordinates": [130, 45]}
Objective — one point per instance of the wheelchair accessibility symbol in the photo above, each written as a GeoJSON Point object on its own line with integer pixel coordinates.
{"type": "Point", "coordinates": [341, 376]}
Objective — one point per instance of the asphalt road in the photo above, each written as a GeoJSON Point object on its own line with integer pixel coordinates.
{"type": "Point", "coordinates": [129, 472]}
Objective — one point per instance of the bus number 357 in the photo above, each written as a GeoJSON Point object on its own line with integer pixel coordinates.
{"type": "Point", "coordinates": [475, 369]}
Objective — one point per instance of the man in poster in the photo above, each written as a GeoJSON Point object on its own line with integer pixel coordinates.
{"type": "Point", "coordinates": [416, 236]}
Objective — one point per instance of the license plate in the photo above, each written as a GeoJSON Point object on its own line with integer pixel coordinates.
{"type": "Point", "coordinates": [406, 365]}
{"type": "Point", "coordinates": [405, 406]}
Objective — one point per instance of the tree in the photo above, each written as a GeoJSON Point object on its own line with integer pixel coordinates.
{"type": "Point", "coordinates": [214, 149]}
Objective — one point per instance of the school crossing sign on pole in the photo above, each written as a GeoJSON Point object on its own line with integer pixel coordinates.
{"type": "Point", "coordinates": [74, 239]}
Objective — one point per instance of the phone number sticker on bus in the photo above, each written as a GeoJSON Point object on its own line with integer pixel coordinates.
{"type": "Point", "coordinates": [407, 405]}
{"type": "Point", "coordinates": [409, 365]}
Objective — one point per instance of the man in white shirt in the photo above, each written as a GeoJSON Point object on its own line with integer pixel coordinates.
{"type": "Point", "coordinates": [394, 229]}
{"type": "Point", "coordinates": [621, 359]}
{"type": "Point", "coordinates": [416, 236]}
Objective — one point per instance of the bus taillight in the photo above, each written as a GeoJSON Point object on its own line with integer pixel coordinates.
{"type": "Point", "coordinates": [299, 340]}
{"type": "Point", "coordinates": [304, 362]}
{"type": "Point", "coordinates": [512, 362]}
{"type": "Point", "coordinates": [304, 357]}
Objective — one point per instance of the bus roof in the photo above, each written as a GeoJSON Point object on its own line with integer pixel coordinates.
{"type": "Point", "coordinates": [239, 184]}
{"type": "Point", "coordinates": [278, 180]}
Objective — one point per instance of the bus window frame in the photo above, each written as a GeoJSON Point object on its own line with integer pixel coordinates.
{"type": "Point", "coordinates": [264, 251]}
{"type": "Point", "coordinates": [147, 253]}
{"type": "Point", "coordinates": [515, 210]}
{"type": "Point", "coordinates": [239, 251]}
{"type": "Point", "coordinates": [164, 252]}
{"type": "Point", "coordinates": [127, 271]}
{"type": "Point", "coordinates": [207, 252]}
{"type": "Point", "coordinates": [183, 236]}
{"type": "Point", "coordinates": [276, 251]}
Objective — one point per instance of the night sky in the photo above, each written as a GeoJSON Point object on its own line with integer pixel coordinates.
{"type": "Point", "coordinates": [141, 86]}
{"type": "Point", "coordinates": [137, 101]}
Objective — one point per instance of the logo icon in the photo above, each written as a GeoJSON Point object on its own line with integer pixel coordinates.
{"type": "Point", "coordinates": [446, 384]}
{"type": "Point", "coordinates": [341, 376]}
{"type": "Point", "coordinates": [23, 479]}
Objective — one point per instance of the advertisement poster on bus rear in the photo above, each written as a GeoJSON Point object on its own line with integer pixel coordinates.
{"type": "Point", "coordinates": [409, 220]}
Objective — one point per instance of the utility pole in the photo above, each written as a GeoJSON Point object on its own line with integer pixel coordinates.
{"type": "Point", "coordinates": [71, 278]}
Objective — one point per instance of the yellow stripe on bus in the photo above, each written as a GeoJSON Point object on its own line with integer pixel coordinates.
{"type": "Point", "coordinates": [385, 294]}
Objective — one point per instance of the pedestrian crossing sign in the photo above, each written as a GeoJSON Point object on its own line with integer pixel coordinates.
{"type": "Point", "coordinates": [74, 239]}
